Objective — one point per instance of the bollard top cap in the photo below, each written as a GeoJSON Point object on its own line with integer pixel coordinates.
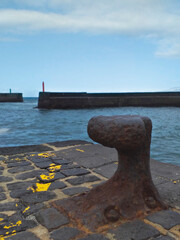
{"type": "Point", "coordinates": [126, 132]}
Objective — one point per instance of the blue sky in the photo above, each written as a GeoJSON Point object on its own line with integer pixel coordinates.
{"type": "Point", "coordinates": [91, 46]}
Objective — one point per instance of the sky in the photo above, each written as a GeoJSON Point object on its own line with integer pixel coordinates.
{"type": "Point", "coordinates": [89, 46]}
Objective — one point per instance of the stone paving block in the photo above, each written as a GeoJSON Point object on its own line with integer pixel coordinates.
{"type": "Point", "coordinates": [24, 149]}
{"type": "Point", "coordinates": [2, 189]}
{"type": "Point", "coordinates": [15, 217]}
{"type": "Point", "coordinates": [10, 206]}
{"type": "Point", "coordinates": [15, 158]}
{"type": "Point", "coordinates": [18, 164]}
{"type": "Point", "coordinates": [60, 161]}
{"type": "Point", "coordinates": [57, 185]}
{"type": "Point", "coordinates": [51, 218]}
{"type": "Point", "coordinates": [20, 169]}
{"type": "Point", "coordinates": [69, 166]}
{"type": "Point", "coordinates": [158, 179]}
{"type": "Point", "coordinates": [94, 237]}
{"type": "Point", "coordinates": [2, 196]}
{"type": "Point", "coordinates": [83, 179]}
{"type": "Point", "coordinates": [75, 172]}
{"type": "Point", "coordinates": [37, 159]}
{"type": "Point", "coordinates": [163, 238]}
{"type": "Point", "coordinates": [17, 193]}
{"type": "Point", "coordinates": [92, 161]}
{"type": "Point", "coordinates": [54, 168]}
{"type": "Point", "coordinates": [37, 197]}
{"type": "Point", "coordinates": [1, 172]}
{"type": "Point", "coordinates": [50, 178]}
{"type": "Point", "coordinates": [65, 233]}
{"type": "Point", "coordinates": [69, 143]}
{"type": "Point", "coordinates": [136, 230]}
{"type": "Point", "coordinates": [75, 190]}
{"type": "Point", "coordinates": [1, 168]}
{"type": "Point", "coordinates": [28, 210]}
{"type": "Point", "coordinates": [23, 236]}
{"type": "Point", "coordinates": [170, 193]}
{"type": "Point", "coordinates": [20, 185]}
{"type": "Point", "coordinates": [44, 164]}
{"type": "Point", "coordinates": [106, 170]}
{"type": "Point", "coordinates": [91, 150]}
{"type": "Point", "coordinates": [74, 153]}
{"type": "Point", "coordinates": [3, 218]}
{"type": "Point", "coordinates": [32, 174]}
{"type": "Point", "coordinates": [166, 218]}
{"type": "Point", "coordinates": [16, 223]}
{"type": "Point", "coordinates": [165, 170]}
{"type": "Point", "coordinates": [62, 155]}
{"type": "Point", "coordinates": [97, 149]}
{"type": "Point", "coordinates": [5, 179]}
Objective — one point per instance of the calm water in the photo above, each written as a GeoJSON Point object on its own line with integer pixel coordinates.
{"type": "Point", "coordinates": [22, 124]}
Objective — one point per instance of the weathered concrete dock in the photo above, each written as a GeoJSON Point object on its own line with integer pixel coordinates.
{"type": "Point", "coordinates": [63, 100]}
{"type": "Point", "coordinates": [33, 177]}
{"type": "Point", "coordinates": [11, 97]}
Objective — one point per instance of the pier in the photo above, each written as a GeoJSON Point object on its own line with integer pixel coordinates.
{"type": "Point", "coordinates": [26, 197]}
{"type": "Point", "coordinates": [72, 100]}
{"type": "Point", "coordinates": [11, 97]}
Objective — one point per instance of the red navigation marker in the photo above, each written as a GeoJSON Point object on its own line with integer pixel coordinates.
{"type": "Point", "coordinates": [43, 86]}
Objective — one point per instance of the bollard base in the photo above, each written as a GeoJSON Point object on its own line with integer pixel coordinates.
{"type": "Point", "coordinates": [114, 201]}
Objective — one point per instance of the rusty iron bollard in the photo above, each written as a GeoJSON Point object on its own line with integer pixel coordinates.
{"type": "Point", "coordinates": [130, 193]}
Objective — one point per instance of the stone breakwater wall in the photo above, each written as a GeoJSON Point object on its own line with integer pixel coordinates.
{"type": "Point", "coordinates": [11, 97]}
{"type": "Point", "coordinates": [60, 100]}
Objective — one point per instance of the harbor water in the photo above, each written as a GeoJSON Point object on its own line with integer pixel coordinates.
{"type": "Point", "coordinates": [23, 124]}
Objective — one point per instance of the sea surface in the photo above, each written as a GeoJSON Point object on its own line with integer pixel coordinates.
{"type": "Point", "coordinates": [23, 124]}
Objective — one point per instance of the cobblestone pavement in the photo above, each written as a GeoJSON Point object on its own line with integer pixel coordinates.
{"type": "Point", "coordinates": [31, 178]}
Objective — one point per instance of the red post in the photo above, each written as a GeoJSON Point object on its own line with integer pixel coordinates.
{"type": "Point", "coordinates": [43, 86]}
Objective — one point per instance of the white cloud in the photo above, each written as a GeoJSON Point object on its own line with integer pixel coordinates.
{"type": "Point", "coordinates": [168, 48]}
{"type": "Point", "coordinates": [157, 18]}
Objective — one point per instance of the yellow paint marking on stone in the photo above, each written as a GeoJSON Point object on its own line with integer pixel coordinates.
{"type": "Point", "coordinates": [42, 187]}
{"type": "Point", "coordinates": [39, 187]}
{"type": "Point", "coordinates": [79, 150]}
{"type": "Point", "coordinates": [31, 188]}
{"type": "Point", "coordinates": [32, 155]}
{"type": "Point", "coordinates": [12, 234]}
{"type": "Point", "coordinates": [174, 182]}
{"type": "Point", "coordinates": [52, 164]}
{"type": "Point", "coordinates": [1, 219]}
{"type": "Point", "coordinates": [26, 209]}
{"type": "Point", "coordinates": [55, 168]}
{"type": "Point", "coordinates": [16, 205]}
{"type": "Point", "coordinates": [47, 177]}
{"type": "Point", "coordinates": [46, 155]}
{"type": "Point", "coordinates": [13, 225]}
